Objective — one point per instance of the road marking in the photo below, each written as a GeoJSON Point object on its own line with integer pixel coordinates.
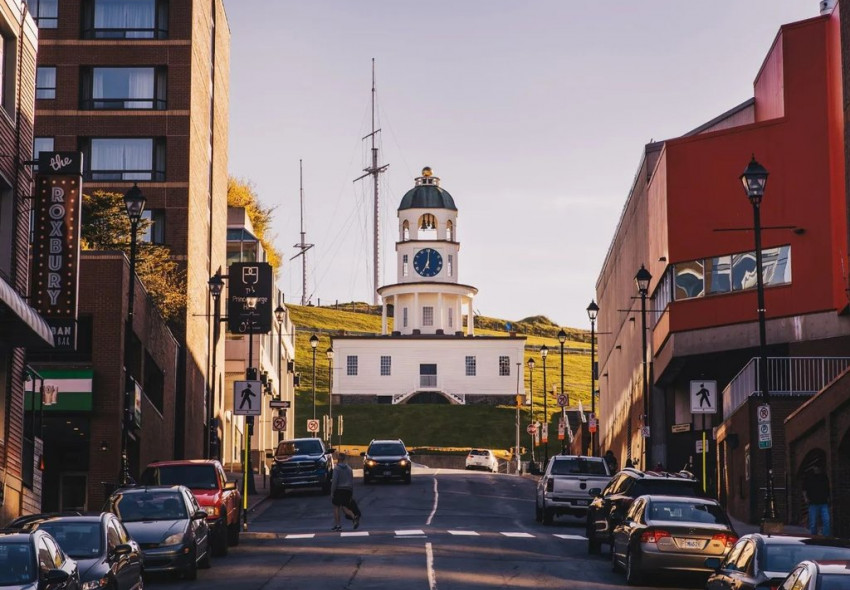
{"type": "Point", "coordinates": [302, 536]}
{"type": "Point", "coordinates": [572, 537]}
{"type": "Point", "coordinates": [355, 534]}
{"type": "Point", "coordinates": [436, 500]}
{"type": "Point", "coordinates": [519, 535]}
{"type": "Point", "coordinates": [409, 532]}
{"type": "Point", "coordinates": [429, 560]}
{"type": "Point", "coordinates": [464, 533]}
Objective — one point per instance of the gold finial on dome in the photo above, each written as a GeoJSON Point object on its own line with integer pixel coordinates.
{"type": "Point", "coordinates": [426, 171]}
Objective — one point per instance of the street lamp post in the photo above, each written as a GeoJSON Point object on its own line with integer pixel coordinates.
{"type": "Point", "coordinates": [314, 342]}
{"type": "Point", "coordinates": [280, 315]}
{"type": "Point", "coordinates": [592, 311]}
{"type": "Point", "coordinates": [518, 400]}
{"type": "Point", "coordinates": [562, 338]}
{"type": "Point", "coordinates": [134, 202]}
{"type": "Point", "coordinates": [216, 284]}
{"type": "Point", "coordinates": [530, 364]}
{"type": "Point", "coordinates": [544, 352]}
{"type": "Point", "coordinates": [330, 355]}
{"type": "Point", "coordinates": [642, 280]}
{"type": "Point", "coordinates": [754, 179]}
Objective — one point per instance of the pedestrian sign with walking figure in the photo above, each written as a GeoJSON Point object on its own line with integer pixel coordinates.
{"type": "Point", "coordinates": [247, 398]}
{"type": "Point", "coordinates": [703, 397]}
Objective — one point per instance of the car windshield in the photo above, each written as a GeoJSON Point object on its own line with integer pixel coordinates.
{"type": "Point", "coordinates": [480, 453]}
{"type": "Point", "coordinates": [139, 506]}
{"type": "Point", "coordinates": [833, 582]}
{"type": "Point", "coordinates": [782, 557]}
{"type": "Point", "coordinates": [383, 449]}
{"type": "Point", "coordinates": [17, 564]}
{"type": "Point", "coordinates": [687, 512]}
{"type": "Point", "coordinates": [80, 540]}
{"type": "Point", "coordinates": [299, 447]}
{"type": "Point", "coordinates": [667, 487]}
{"type": "Point", "coordinates": [578, 466]}
{"type": "Point", "coordinates": [196, 477]}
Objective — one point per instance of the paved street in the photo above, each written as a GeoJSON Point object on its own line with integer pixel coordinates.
{"type": "Point", "coordinates": [447, 530]}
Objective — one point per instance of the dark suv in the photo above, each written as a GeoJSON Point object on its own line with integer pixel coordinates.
{"type": "Point", "coordinates": [609, 506]}
{"type": "Point", "coordinates": [386, 459]}
{"type": "Point", "coordinates": [301, 463]}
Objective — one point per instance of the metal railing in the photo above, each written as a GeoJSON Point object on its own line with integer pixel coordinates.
{"type": "Point", "coordinates": [785, 376]}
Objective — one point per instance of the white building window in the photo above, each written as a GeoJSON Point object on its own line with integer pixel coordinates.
{"type": "Point", "coordinates": [428, 316]}
{"type": "Point", "coordinates": [504, 366]}
{"type": "Point", "coordinates": [450, 265]}
{"type": "Point", "coordinates": [404, 317]}
{"type": "Point", "coordinates": [405, 266]}
{"type": "Point", "coordinates": [351, 365]}
{"type": "Point", "coordinates": [45, 82]}
{"type": "Point", "coordinates": [386, 365]}
{"type": "Point", "coordinates": [451, 317]}
{"type": "Point", "coordinates": [470, 366]}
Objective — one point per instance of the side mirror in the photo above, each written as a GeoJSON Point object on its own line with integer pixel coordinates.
{"type": "Point", "coordinates": [57, 576]}
{"type": "Point", "coordinates": [230, 485]}
{"type": "Point", "coordinates": [199, 515]}
{"type": "Point", "coordinates": [712, 563]}
{"type": "Point", "coordinates": [594, 491]}
{"type": "Point", "coordinates": [123, 549]}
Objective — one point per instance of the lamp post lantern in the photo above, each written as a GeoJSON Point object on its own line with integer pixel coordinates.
{"type": "Point", "coordinates": [562, 338]}
{"type": "Point", "coordinates": [134, 202]}
{"type": "Point", "coordinates": [544, 352]}
{"type": "Point", "coordinates": [642, 280]}
{"type": "Point", "coordinates": [592, 311]}
{"type": "Point", "coordinates": [530, 364]}
{"type": "Point", "coordinates": [330, 355]}
{"type": "Point", "coordinates": [280, 315]}
{"type": "Point", "coordinates": [216, 284]}
{"type": "Point", "coordinates": [314, 342]}
{"type": "Point", "coordinates": [754, 180]}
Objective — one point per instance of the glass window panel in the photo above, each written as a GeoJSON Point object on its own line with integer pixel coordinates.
{"type": "Point", "coordinates": [718, 275]}
{"type": "Point", "coordinates": [45, 13]}
{"type": "Point", "coordinates": [386, 365]}
{"type": "Point", "coordinates": [470, 366]}
{"type": "Point", "coordinates": [776, 265]}
{"type": "Point", "coordinates": [45, 82]}
{"type": "Point", "coordinates": [689, 280]}
{"type": "Point", "coordinates": [122, 159]}
{"type": "Point", "coordinates": [40, 144]}
{"type": "Point", "coordinates": [504, 366]}
{"type": "Point", "coordinates": [427, 316]}
{"type": "Point", "coordinates": [129, 19]}
{"type": "Point", "coordinates": [113, 88]}
{"type": "Point", "coordinates": [743, 271]}
{"type": "Point", "coordinates": [351, 365]}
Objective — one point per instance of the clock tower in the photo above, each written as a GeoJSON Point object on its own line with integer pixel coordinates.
{"type": "Point", "coordinates": [428, 299]}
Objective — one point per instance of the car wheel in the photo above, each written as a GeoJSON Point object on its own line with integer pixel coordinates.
{"type": "Point", "coordinates": [538, 513]}
{"type": "Point", "coordinates": [633, 575]}
{"type": "Point", "coordinates": [191, 570]}
{"type": "Point", "coordinates": [205, 563]}
{"type": "Point", "coordinates": [233, 531]}
{"type": "Point", "coordinates": [548, 515]}
{"type": "Point", "coordinates": [594, 545]}
{"type": "Point", "coordinates": [220, 541]}
{"type": "Point", "coordinates": [615, 566]}
{"type": "Point", "coordinates": [407, 478]}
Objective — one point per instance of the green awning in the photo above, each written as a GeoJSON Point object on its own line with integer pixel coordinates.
{"type": "Point", "coordinates": [74, 390]}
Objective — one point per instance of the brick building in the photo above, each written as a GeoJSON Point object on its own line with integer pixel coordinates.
{"type": "Point", "coordinates": [141, 89]}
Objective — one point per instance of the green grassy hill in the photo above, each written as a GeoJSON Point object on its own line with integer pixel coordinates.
{"type": "Point", "coordinates": [435, 425]}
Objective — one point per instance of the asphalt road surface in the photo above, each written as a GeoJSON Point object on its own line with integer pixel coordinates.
{"type": "Point", "coordinates": [447, 530]}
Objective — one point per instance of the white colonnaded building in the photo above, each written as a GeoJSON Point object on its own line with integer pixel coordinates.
{"type": "Point", "coordinates": [432, 355]}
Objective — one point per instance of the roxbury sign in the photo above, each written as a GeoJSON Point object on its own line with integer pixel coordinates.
{"type": "Point", "coordinates": [56, 251]}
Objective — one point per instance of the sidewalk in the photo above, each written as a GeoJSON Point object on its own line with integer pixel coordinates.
{"type": "Point", "coordinates": [261, 488]}
{"type": "Point", "coordinates": [745, 528]}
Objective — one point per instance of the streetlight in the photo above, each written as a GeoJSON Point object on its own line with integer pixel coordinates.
{"type": "Point", "coordinates": [216, 284]}
{"type": "Point", "coordinates": [250, 375]}
{"type": "Point", "coordinates": [518, 400]}
{"type": "Point", "coordinates": [754, 179]}
{"type": "Point", "coordinates": [642, 280]}
{"type": "Point", "coordinates": [280, 315]}
{"type": "Point", "coordinates": [544, 352]}
{"type": "Point", "coordinates": [562, 338]}
{"type": "Point", "coordinates": [330, 353]}
{"type": "Point", "coordinates": [314, 342]}
{"type": "Point", "coordinates": [592, 312]}
{"type": "Point", "coordinates": [134, 201]}
{"type": "Point", "coordinates": [530, 364]}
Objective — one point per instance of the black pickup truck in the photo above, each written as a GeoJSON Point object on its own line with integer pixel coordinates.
{"type": "Point", "coordinates": [301, 463]}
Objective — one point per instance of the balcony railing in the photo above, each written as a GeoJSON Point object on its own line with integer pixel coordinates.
{"type": "Point", "coordinates": [785, 376]}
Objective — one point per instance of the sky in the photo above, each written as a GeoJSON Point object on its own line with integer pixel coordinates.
{"type": "Point", "coordinates": [533, 113]}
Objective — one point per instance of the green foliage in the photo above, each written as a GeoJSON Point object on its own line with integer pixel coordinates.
{"type": "Point", "coordinates": [241, 193]}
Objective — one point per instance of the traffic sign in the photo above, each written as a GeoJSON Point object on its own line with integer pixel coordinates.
{"type": "Point", "coordinates": [765, 436]}
{"type": "Point", "coordinates": [280, 403]}
{"type": "Point", "coordinates": [247, 398]}
{"type": "Point", "coordinates": [562, 427]}
{"type": "Point", "coordinates": [312, 425]}
{"type": "Point", "coordinates": [591, 426]}
{"type": "Point", "coordinates": [531, 428]}
{"type": "Point", "coordinates": [703, 397]}
{"type": "Point", "coordinates": [279, 423]}
{"type": "Point", "coordinates": [764, 414]}
{"type": "Point", "coordinates": [644, 431]}
{"type": "Point", "coordinates": [563, 400]}
{"type": "Point", "coordinates": [545, 433]}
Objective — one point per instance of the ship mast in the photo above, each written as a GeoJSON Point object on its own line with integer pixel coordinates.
{"type": "Point", "coordinates": [374, 170]}
{"type": "Point", "coordinates": [303, 246]}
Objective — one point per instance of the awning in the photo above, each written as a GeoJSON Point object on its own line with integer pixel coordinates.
{"type": "Point", "coordinates": [74, 385]}
{"type": "Point", "coordinates": [20, 324]}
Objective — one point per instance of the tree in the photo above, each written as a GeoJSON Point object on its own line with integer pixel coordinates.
{"type": "Point", "coordinates": [105, 226]}
{"type": "Point", "coordinates": [241, 193]}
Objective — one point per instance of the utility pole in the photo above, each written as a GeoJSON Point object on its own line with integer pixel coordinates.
{"type": "Point", "coordinates": [374, 170]}
{"type": "Point", "coordinates": [302, 246]}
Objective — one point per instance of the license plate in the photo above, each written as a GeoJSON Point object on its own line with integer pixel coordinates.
{"type": "Point", "coordinates": [690, 544]}
{"type": "Point", "coordinates": [387, 473]}
{"type": "Point", "coordinates": [582, 502]}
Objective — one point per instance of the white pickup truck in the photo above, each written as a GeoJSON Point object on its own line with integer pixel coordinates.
{"type": "Point", "coordinates": [566, 485]}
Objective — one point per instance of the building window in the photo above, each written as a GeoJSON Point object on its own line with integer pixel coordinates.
{"type": "Point", "coordinates": [404, 317]}
{"type": "Point", "coordinates": [427, 375]}
{"type": "Point", "coordinates": [470, 366]}
{"type": "Point", "coordinates": [690, 280]}
{"type": "Point", "coordinates": [45, 82]}
{"type": "Point", "coordinates": [45, 13]}
{"type": "Point", "coordinates": [40, 144]}
{"type": "Point", "coordinates": [125, 159]}
{"type": "Point", "coordinates": [718, 275]}
{"type": "Point", "coordinates": [451, 260]}
{"type": "Point", "coordinates": [123, 88]}
{"type": "Point", "coordinates": [154, 231]}
{"type": "Point", "coordinates": [125, 19]}
{"type": "Point", "coordinates": [386, 365]}
{"type": "Point", "coordinates": [351, 365]}
{"type": "Point", "coordinates": [504, 366]}
{"type": "Point", "coordinates": [405, 266]}
{"type": "Point", "coordinates": [451, 317]}
{"type": "Point", "coordinates": [8, 71]}
{"type": "Point", "coordinates": [427, 316]}
{"type": "Point", "coordinates": [405, 231]}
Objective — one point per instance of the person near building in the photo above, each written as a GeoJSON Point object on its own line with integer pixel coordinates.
{"type": "Point", "coordinates": [611, 460]}
{"type": "Point", "coordinates": [816, 495]}
{"type": "Point", "coordinates": [342, 493]}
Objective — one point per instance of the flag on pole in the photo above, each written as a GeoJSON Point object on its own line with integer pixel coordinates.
{"type": "Point", "coordinates": [581, 413]}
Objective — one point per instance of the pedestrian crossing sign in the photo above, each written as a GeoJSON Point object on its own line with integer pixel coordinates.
{"type": "Point", "coordinates": [247, 398]}
{"type": "Point", "coordinates": [703, 397]}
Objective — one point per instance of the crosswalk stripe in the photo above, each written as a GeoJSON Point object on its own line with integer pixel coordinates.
{"type": "Point", "coordinates": [355, 534]}
{"type": "Point", "coordinates": [572, 537]}
{"type": "Point", "coordinates": [464, 533]}
{"type": "Point", "coordinates": [519, 535]}
{"type": "Point", "coordinates": [409, 532]}
{"type": "Point", "coordinates": [302, 536]}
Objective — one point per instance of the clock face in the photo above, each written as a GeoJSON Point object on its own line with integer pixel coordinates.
{"type": "Point", "coordinates": [428, 262]}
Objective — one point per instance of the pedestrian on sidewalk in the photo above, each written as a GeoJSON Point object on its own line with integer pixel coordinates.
{"type": "Point", "coordinates": [342, 492]}
{"type": "Point", "coordinates": [816, 494]}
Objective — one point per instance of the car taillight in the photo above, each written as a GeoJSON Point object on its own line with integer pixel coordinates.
{"type": "Point", "coordinates": [550, 485]}
{"type": "Point", "coordinates": [653, 535]}
{"type": "Point", "coordinates": [725, 538]}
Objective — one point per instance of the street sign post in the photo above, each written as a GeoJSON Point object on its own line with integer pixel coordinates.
{"type": "Point", "coordinates": [563, 400]}
{"type": "Point", "coordinates": [279, 423]}
{"type": "Point", "coordinates": [703, 397]}
{"type": "Point", "coordinates": [280, 403]}
{"type": "Point", "coordinates": [531, 428]}
{"type": "Point", "coordinates": [247, 398]}
{"type": "Point", "coordinates": [545, 433]}
{"type": "Point", "coordinates": [562, 428]}
{"type": "Point", "coordinates": [312, 425]}
{"type": "Point", "coordinates": [765, 433]}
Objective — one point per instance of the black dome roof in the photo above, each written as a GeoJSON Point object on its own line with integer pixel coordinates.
{"type": "Point", "coordinates": [427, 194]}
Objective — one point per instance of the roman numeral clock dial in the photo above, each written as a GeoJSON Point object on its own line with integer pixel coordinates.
{"type": "Point", "coordinates": [428, 262]}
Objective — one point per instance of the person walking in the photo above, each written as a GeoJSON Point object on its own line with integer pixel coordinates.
{"type": "Point", "coordinates": [816, 494]}
{"type": "Point", "coordinates": [342, 492]}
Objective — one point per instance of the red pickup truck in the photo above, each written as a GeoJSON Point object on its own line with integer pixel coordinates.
{"type": "Point", "coordinates": [220, 498]}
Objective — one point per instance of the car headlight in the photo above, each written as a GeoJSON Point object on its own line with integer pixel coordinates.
{"type": "Point", "coordinates": [175, 539]}
{"type": "Point", "coordinates": [95, 584]}
{"type": "Point", "coordinates": [371, 463]}
{"type": "Point", "coordinates": [403, 462]}
{"type": "Point", "coordinates": [211, 510]}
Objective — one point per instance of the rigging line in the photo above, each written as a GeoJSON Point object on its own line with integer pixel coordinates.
{"type": "Point", "coordinates": [410, 173]}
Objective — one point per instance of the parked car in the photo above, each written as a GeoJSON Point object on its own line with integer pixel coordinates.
{"type": "Point", "coordinates": [670, 534]}
{"type": "Point", "coordinates": [32, 560]}
{"type": "Point", "coordinates": [818, 575]}
{"type": "Point", "coordinates": [220, 498]}
{"type": "Point", "coordinates": [386, 459]}
{"type": "Point", "coordinates": [565, 484]}
{"type": "Point", "coordinates": [168, 524]}
{"type": "Point", "coordinates": [763, 561]}
{"type": "Point", "coordinates": [301, 463]}
{"type": "Point", "coordinates": [106, 555]}
{"type": "Point", "coordinates": [608, 507]}
{"type": "Point", "coordinates": [482, 459]}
